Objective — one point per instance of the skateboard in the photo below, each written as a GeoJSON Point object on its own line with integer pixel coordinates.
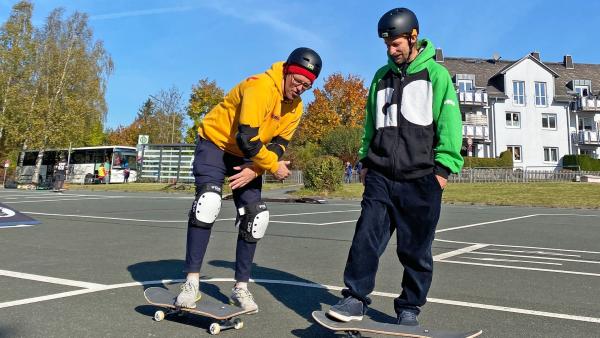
{"type": "Point", "coordinates": [225, 314]}
{"type": "Point", "coordinates": [354, 328]}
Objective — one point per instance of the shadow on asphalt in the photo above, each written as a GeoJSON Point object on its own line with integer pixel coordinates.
{"type": "Point", "coordinates": [302, 300]}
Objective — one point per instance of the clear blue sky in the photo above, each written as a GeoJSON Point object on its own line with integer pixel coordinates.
{"type": "Point", "coordinates": [158, 44]}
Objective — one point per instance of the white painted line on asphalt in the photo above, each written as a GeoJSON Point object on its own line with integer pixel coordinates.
{"type": "Point", "coordinates": [538, 257]}
{"type": "Point", "coordinates": [16, 226]}
{"type": "Point", "coordinates": [185, 221]}
{"type": "Point", "coordinates": [488, 259]}
{"type": "Point", "coordinates": [284, 222]}
{"type": "Point", "coordinates": [535, 252]}
{"type": "Point", "coordinates": [58, 200]}
{"type": "Point", "coordinates": [309, 285]}
{"type": "Point", "coordinates": [515, 310]}
{"type": "Point", "coordinates": [45, 298]}
{"type": "Point", "coordinates": [340, 222]}
{"type": "Point", "coordinates": [104, 217]}
{"type": "Point", "coordinates": [458, 252]}
{"type": "Point", "coordinates": [48, 195]}
{"type": "Point", "coordinates": [576, 215]}
{"type": "Point", "coordinates": [518, 246]}
{"type": "Point", "coordinates": [484, 223]}
{"type": "Point", "coordinates": [48, 279]}
{"type": "Point", "coordinates": [525, 268]}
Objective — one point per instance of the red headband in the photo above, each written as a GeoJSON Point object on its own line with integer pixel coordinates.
{"type": "Point", "coordinates": [295, 69]}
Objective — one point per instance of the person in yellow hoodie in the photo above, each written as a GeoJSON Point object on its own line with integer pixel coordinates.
{"type": "Point", "coordinates": [242, 137]}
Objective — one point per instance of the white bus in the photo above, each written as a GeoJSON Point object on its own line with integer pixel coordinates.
{"type": "Point", "coordinates": [83, 164]}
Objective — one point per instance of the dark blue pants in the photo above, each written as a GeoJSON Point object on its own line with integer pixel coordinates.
{"type": "Point", "coordinates": [212, 165]}
{"type": "Point", "coordinates": [412, 209]}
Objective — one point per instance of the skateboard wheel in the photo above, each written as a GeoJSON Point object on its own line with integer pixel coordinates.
{"type": "Point", "coordinates": [214, 328]}
{"type": "Point", "coordinates": [238, 324]}
{"type": "Point", "coordinates": [159, 315]}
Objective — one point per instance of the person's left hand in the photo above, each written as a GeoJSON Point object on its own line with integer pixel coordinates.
{"type": "Point", "coordinates": [442, 181]}
{"type": "Point", "coordinates": [245, 176]}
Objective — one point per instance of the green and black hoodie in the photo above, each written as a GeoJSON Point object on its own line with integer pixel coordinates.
{"type": "Point", "coordinates": [413, 125]}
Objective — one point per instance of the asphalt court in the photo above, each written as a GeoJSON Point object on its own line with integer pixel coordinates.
{"type": "Point", "coordinates": [513, 272]}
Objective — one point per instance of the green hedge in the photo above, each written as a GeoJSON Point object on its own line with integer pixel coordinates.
{"type": "Point", "coordinates": [504, 161]}
{"type": "Point", "coordinates": [581, 162]}
{"type": "Point", "coordinates": [324, 173]}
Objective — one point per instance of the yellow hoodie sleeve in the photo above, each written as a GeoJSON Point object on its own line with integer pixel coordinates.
{"type": "Point", "coordinates": [256, 104]}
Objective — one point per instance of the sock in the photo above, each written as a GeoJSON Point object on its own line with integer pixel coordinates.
{"type": "Point", "coordinates": [241, 285]}
{"type": "Point", "coordinates": [195, 281]}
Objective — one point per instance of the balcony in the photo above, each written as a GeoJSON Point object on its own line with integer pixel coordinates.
{"type": "Point", "coordinates": [480, 120]}
{"type": "Point", "coordinates": [477, 97]}
{"type": "Point", "coordinates": [586, 137]}
{"type": "Point", "coordinates": [587, 103]}
{"type": "Point", "coordinates": [476, 132]}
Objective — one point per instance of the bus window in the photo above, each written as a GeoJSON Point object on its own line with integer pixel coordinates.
{"type": "Point", "coordinates": [30, 157]}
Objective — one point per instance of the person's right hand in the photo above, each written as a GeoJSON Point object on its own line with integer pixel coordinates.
{"type": "Point", "coordinates": [363, 173]}
{"type": "Point", "coordinates": [282, 171]}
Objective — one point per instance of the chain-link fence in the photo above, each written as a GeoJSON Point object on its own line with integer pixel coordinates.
{"type": "Point", "coordinates": [510, 175]}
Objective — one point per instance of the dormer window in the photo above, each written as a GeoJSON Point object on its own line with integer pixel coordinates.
{"type": "Point", "coordinates": [465, 82]}
{"type": "Point", "coordinates": [582, 87]}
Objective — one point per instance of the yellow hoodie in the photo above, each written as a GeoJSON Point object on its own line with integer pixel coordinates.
{"type": "Point", "coordinates": [256, 102]}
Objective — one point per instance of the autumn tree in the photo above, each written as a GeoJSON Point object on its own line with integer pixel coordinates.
{"type": "Point", "coordinates": [17, 56]}
{"type": "Point", "coordinates": [340, 102]}
{"type": "Point", "coordinates": [123, 135]}
{"type": "Point", "coordinates": [52, 82]}
{"type": "Point", "coordinates": [205, 95]}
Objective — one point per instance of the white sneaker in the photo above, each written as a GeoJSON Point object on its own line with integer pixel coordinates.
{"type": "Point", "coordinates": [188, 296]}
{"type": "Point", "coordinates": [243, 298]}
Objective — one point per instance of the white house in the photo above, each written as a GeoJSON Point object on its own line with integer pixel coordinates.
{"type": "Point", "coordinates": [539, 111]}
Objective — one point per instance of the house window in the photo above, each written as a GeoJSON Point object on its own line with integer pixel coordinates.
{"type": "Point", "coordinates": [550, 154]}
{"type": "Point", "coordinates": [540, 94]}
{"type": "Point", "coordinates": [513, 120]}
{"type": "Point", "coordinates": [586, 124]}
{"type": "Point", "coordinates": [582, 87]}
{"type": "Point", "coordinates": [549, 121]}
{"type": "Point", "coordinates": [465, 85]}
{"type": "Point", "coordinates": [516, 152]}
{"type": "Point", "coordinates": [519, 92]}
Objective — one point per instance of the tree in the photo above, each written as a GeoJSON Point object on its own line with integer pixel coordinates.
{"type": "Point", "coordinates": [123, 135]}
{"type": "Point", "coordinates": [17, 56]}
{"type": "Point", "coordinates": [341, 102]}
{"type": "Point", "coordinates": [70, 76]}
{"type": "Point", "coordinates": [343, 142]}
{"type": "Point", "coordinates": [168, 115]}
{"type": "Point", "coordinates": [205, 95]}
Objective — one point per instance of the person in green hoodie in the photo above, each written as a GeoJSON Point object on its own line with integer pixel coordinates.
{"type": "Point", "coordinates": [411, 143]}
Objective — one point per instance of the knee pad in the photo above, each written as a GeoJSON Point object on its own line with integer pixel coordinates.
{"type": "Point", "coordinates": [206, 207]}
{"type": "Point", "coordinates": [252, 221]}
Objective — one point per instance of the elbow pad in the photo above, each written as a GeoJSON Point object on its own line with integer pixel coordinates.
{"type": "Point", "coordinates": [244, 140]}
{"type": "Point", "coordinates": [278, 145]}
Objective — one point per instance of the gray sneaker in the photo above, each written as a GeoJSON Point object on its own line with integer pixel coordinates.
{"type": "Point", "coordinates": [407, 317]}
{"type": "Point", "coordinates": [348, 309]}
{"type": "Point", "coordinates": [188, 296]}
{"type": "Point", "coordinates": [243, 298]}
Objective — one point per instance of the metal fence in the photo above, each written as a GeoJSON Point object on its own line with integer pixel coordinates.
{"type": "Point", "coordinates": [172, 163]}
{"type": "Point", "coordinates": [510, 175]}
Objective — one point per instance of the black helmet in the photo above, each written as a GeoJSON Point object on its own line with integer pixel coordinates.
{"type": "Point", "coordinates": [396, 22]}
{"type": "Point", "coordinates": [306, 58]}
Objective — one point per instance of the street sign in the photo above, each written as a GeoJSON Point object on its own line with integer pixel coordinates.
{"type": "Point", "coordinates": [143, 139]}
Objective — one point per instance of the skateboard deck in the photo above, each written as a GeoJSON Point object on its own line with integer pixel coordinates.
{"type": "Point", "coordinates": [206, 307]}
{"type": "Point", "coordinates": [354, 328]}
